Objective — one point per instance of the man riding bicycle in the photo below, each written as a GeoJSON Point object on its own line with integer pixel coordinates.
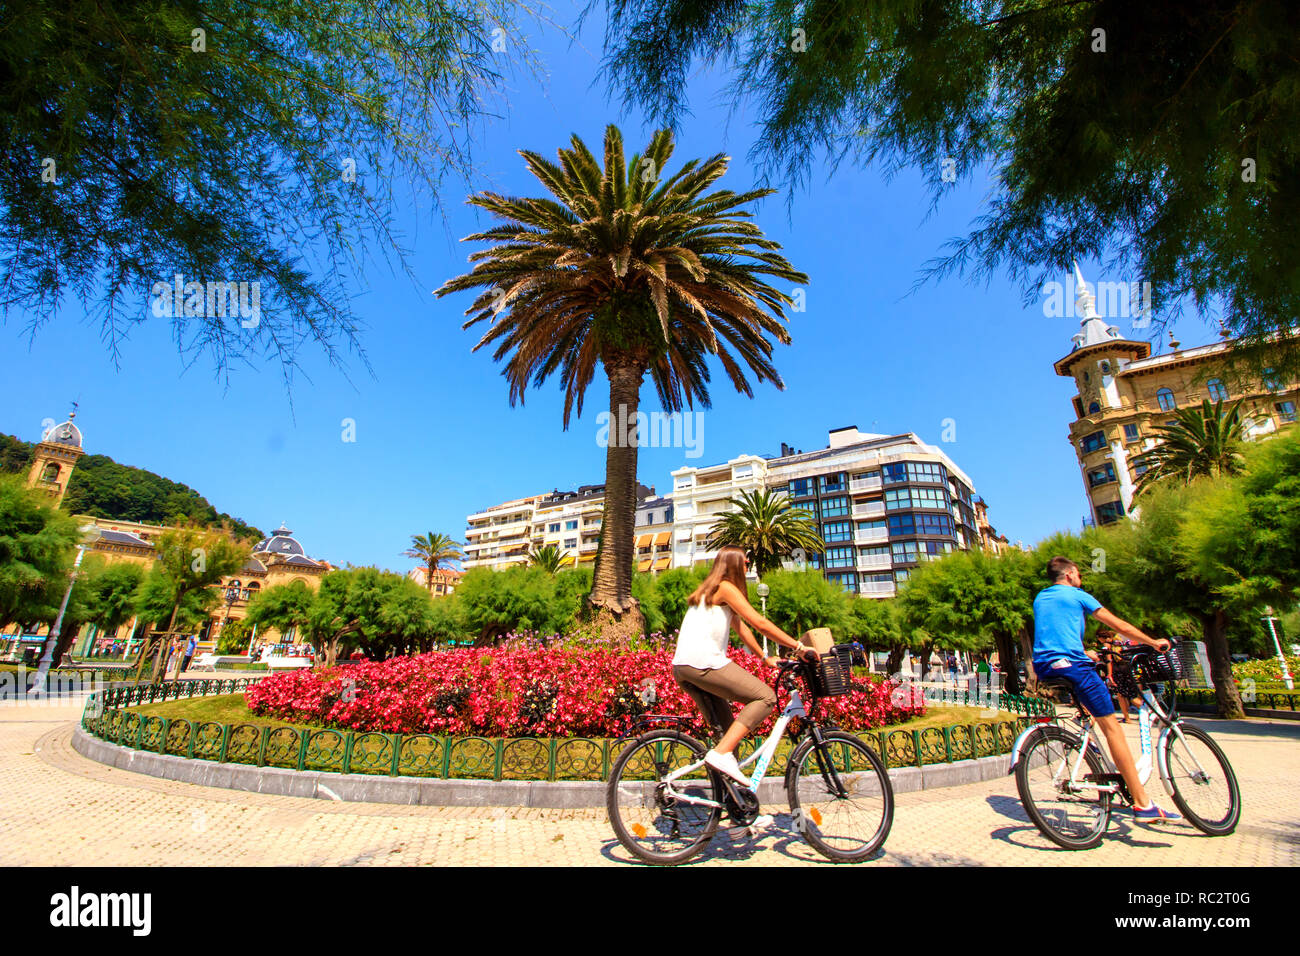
{"type": "Point", "coordinates": [1060, 618]}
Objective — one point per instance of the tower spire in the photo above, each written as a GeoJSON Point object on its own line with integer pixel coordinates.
{"type": "Point", "coordinates": [1084, 299]}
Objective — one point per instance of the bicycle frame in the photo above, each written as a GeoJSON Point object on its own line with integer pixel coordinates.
{"type": "Point", "coordinates": [763, 755]}
{"type": "Point", "coordinates": [1170, 727]}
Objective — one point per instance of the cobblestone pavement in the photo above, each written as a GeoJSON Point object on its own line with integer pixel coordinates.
{"type": "Point", "coordinates": [59, 808]}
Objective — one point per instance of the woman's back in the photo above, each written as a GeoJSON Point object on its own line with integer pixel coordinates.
{"type": "Point", "coordinates": [702, 640]}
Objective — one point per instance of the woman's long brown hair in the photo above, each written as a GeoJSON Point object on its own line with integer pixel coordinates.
{"type": "Point", "coordinates": [729, 565]}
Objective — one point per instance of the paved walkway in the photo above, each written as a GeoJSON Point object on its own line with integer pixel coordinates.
{"type": "Point", "coordinates": [59, 808]}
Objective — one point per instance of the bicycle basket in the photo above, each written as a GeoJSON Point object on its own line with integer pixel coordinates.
{"type": "Point", "coordinates": [1174, 664]}
{"type": "Point", "coordinates": [832, 676]}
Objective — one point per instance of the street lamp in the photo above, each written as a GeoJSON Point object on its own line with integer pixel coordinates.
{"type": "Point", "coordinates": [89, 534]}
{"type": "Point", "coordinates": [763, 591]}
{"type": "Point", "coordinates": [1286, 673]}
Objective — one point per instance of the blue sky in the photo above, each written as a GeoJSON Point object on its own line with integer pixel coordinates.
{"type": "Point", "coordinates": [435, 436]}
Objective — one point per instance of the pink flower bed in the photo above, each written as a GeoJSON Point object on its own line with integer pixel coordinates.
{"type": "Point", "coordinates": [543, 692]}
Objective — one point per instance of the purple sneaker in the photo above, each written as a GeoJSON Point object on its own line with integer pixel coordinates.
{"type": "Point", "coordinates": [1154, 814]}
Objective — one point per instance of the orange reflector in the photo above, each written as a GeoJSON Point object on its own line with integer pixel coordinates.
{"type": "Point", "coordinates": [816, 816]}
{"type": "Point", "coordinates": [639, 831]}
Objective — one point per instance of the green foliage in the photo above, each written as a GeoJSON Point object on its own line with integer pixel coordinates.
{"type": "Point", "coordinates": [768, 528]}
{"type": "Point", "coordinates": [1205, 441]}
{"type": "Point", "coordinates": [36, 547]}
{"type": "Point", "coordinates": [281, 607]}
{"type": "Point", "coordinates": [966, 599]}
{"type": "Point", "coordinates": [156, 600]}
{"type": "Point", "coordinates": [549, 558]}
{"type": "Point", "coordinates": [433, 550]}
{"type": "Point", "coordinates": [229, 162]}
{"type": "Point", "coordinates": [875, 624]}
{"type": "Point", "coordinates": [104, 594]}
{"type": "Point", "coordinates": [1165, 142]}
{"type": "Point", "coordinates": [234, 636]}
{"type": "Point", "coordinates": [802, 600]}
{"type": "Point", "coordinates": [188, 562]}
{"type": "Point", "coordinates": [100, 486]}
{"type": "Point", "coordinates": [496, 603]}
{"type": "Point", "coordinates": [672, 588]}
{"type": "Point", "coordinates": [380, 612]}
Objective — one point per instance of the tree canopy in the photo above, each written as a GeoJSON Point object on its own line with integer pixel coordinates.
{"type": "Point", "coordinates": [228, 142]}
{"type": "Point", "coordinates": [37, 541]}
{"type": "Point", "coordinates": [1157, 136]}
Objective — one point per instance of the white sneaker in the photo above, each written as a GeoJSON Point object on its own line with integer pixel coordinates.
{"type": "Point", "coordinates": [726, 763]}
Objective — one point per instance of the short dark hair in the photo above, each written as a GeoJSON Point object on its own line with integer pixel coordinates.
{"type": "Point", "coordinates": [1057, 567]}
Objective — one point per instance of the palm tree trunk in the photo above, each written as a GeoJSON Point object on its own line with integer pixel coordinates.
{"type": "Point", "coordinates": [611, 590]}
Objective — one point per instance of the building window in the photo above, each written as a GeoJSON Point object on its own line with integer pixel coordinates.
{"type": "Point", "coordinates": [1166, 399]}
{"type": "Point", "coordinates": [1094, 442]}
{"type": "Point", "coordinates": [900, 498]}
{"type": "Point", "coordinates": [838, 531]}
{"type": "Point", "coordinates": [873, 525]}
{"type": "Point", "coordinates": [904, 552]}
{"type": "Point", "coordinates": [51, 472]}
{"type": "Point", "coordinates": [933, 524]}
{"type": "Point", "coordinates": [902, 524]}
{"type": "Point", "coordinates": [839, 557]}
{"type": "Point", "coordinates": [1099, 476]}
{"type": "Point", "coordinates": [1271, 382]}
{"type": "Point", "coordinates": [876, 551]}
{"type": "Point", "coordinates": [835, 507]}
{"type": "Point", "coordinates": [553, 528]}
{"type": "Point", "coordinates": [901, 575]}
{"type": "Point", "coordinates": [1110, 511]}
{"type": "Point", "coordinates": [570, 542]}
{"type": "Point", "coordinates": [1217, 392]}
{"type": "Point", "coordinates": [1285, 411]}
{"type": "Point", "coordinates": [1140, 470]}
{"type": "Point", "coordinates": [893, 474]}
{"type": "Point", "coordinates": [1094, 408]}
{"type": "Point", "coordinates": [801, 488]}
{"type": "Point", "coordinates": [649, 517]}
{"type": "Point", "coordinates": [934, 549]}
{"type": "Point", "coordinates": [847, 581]}
{"type": "Point", "coordinates": [1131, 433]}
{"type": "Point", "coordinates": [832, 483]}
{"type": "Point", "coordinates": [571, 526]}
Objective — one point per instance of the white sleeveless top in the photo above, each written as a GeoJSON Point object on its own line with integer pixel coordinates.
{"type": "Point", "coordinates": [702, 640]}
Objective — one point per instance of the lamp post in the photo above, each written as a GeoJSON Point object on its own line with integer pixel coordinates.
{"type": "Point", "coordinates": [1286, 672]}
{"type": "Point", "coordinates": [89, 534]}
{"type": "Point", "coordinates": [763, 591]}
{"type": "Point", "coordinates": [232, 595]}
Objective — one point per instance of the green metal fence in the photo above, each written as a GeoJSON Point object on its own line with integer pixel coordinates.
{"type": "Point", "coordinates": [1262, 700]}
{"type": "Point", "coordinates": [463, 758]}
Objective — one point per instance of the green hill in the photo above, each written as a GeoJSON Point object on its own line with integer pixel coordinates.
{"type": "Point", "coordinates": [101, 487]}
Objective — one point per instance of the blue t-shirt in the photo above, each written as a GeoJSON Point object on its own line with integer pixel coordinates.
{"type": "Point", "coordinates": [1060, 616]}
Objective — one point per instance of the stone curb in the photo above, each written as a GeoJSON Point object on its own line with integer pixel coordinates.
{"type": "Point", "coordinates": [423, 791]}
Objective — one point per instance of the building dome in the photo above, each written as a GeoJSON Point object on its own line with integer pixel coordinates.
{"type": "Point", "coordinates": [280, 543]}
{"type": "Point", "coordinates": [65, 434]}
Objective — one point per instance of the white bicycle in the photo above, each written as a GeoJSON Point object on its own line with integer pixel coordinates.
{"type": "Point", "coordinates": [665, 803]}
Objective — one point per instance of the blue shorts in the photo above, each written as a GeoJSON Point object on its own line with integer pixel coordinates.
{"type": "Point", "coordinates": [1089, 689]}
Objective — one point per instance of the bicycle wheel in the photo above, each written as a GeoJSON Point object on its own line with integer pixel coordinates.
{"type": "Point", "coordinates": [1073, 819]}
{"type": "Point", "coordinates": [846, 828]}
{"type": "Point", "coordinates": [1201, 781]}
{"type": "Point", "coordinates": [654, 825]}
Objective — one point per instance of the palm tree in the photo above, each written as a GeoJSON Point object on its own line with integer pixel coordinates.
{"type": "Point", "coordinates": [641, 273]}
{"type": "Point", "coordinates": [1203, 441]}
{"type": "Point", "coordinates": [767, 527]}
{"type": "Point", "coordinates": [432, 550]}
{"type": "Point", "coordinates": [549, 558]}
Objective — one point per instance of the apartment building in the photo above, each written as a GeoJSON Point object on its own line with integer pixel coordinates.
{"type": "Point", "coordinates": [501, 536]}
{"type": "Point", "coordinates": [1122, 391]}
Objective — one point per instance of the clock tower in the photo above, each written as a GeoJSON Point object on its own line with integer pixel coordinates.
{"type": "Point", "coordinates": [56, 455]}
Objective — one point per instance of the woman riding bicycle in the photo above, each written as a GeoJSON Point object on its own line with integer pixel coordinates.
{"type": "Point", "coordinates": [701, 667]}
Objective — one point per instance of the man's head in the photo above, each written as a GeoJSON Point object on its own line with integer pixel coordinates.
{"type": "Point", "coordinates": [1063, 571]}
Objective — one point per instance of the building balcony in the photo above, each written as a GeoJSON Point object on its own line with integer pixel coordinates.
{"type": "Point", "coordinates": [864, 484]}
{"type": "Point", "coordinates": [875, 509]}
{"type": "Point", "coordinates": [875, 563]}
{"type": "Point", "coordinates": [877, 588]}
{"type": "Point", "coordinates": [867, 537]}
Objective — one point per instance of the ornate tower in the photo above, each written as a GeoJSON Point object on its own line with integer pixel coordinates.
{"type": "Point", "coordinates": [56, 455]}
{"type": "Point", "coordinates": [1100, 353]}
